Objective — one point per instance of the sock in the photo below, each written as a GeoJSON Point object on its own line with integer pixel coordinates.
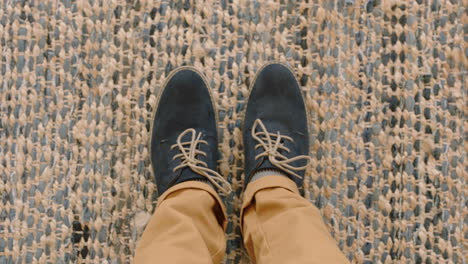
{"type": "Point", "coordinates": [267, 172]}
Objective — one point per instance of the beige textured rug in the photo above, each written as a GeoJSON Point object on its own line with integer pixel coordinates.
{"type": "Point", "coordinates": [384, 81]}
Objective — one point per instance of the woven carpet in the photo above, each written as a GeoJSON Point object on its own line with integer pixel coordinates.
{"type": "Point", "coordinates": [384, 82]}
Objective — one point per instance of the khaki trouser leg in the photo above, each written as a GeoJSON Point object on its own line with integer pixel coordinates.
{"type": "Point", "coordinates": [280, 226]}
{"type": "Point", "coordinates": [187, 227]}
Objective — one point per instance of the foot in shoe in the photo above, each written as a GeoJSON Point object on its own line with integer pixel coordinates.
{"type": "Point", "coordinates": [184, 139]}
{"type": "Point", "coordinates": [275, 131]}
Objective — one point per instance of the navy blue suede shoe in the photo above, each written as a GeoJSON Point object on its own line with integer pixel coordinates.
{"type": "Point", "coordinates": [275, 131]}
{"type": "Point", "coordinates": [184, 139]}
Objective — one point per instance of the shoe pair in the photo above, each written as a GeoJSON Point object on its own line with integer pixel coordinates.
{"type": "Point", "coordinates": [184, 133]}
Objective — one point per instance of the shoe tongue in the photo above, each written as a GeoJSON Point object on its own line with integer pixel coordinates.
{"type": "Point", "coordinates": [265, 164]}
{"type": "Point", "coordinates": [187, 173]}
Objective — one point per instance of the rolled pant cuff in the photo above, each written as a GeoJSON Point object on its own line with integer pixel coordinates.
{"type": "Point", "coordinates": [265, 183]}
{"type": "Point", "coordinates": [200, 186]}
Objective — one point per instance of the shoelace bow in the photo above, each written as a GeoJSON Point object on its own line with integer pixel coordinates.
{"type": "Point", "coordinates": [188, 156]}
{"type": "Point", "coordinates": [271, 143]}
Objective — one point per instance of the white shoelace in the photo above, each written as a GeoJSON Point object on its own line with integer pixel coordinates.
{"type": "Point", "coordinates": [271, 144]}
{"type": "Point", "coordinates": [188, 156]}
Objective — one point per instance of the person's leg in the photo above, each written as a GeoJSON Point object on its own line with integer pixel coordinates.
{"type": "Point", "coordinates": [280, 226]}
{"type": "Point", "coordinates": [187, 227]}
